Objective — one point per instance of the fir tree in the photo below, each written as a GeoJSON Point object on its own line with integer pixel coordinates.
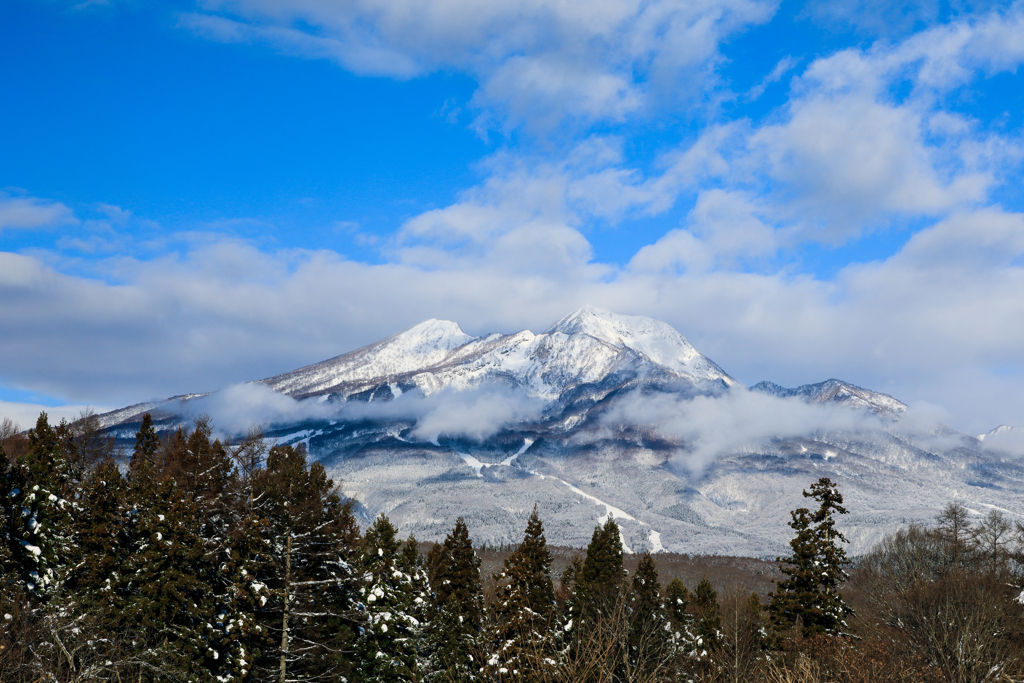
{"type": "Point", "coordinates": [311, 539]}
{"type": "Point", "coordinates": [244, 562]}
{"type": "Point", "coordinates": [810, 595]}
{"type": "Point", "coordinates": [168, 582]}
{"type": "Point", "coordinates": [386, 647]}
{"type": "Point", "coordinates": [104, 540]}
{"type": "Point", "coordinates": [593, 612]}
{"type": "Point", "coordinates": [602, 572]}
{"type": "Point", "coordinates": [521, 641]}
{"type": "Point", "coordinates": [11, 483]}
{"type": "Point", "coordinates": [455, 620]}
{"type": "Point", "coordinates": [649, 641]}
{"type": "Point", "coordinates": [38, 519]}
{"type": "Point", "coordinates": [685, 650]}
{"type": "Point", "coordinates": [147, 443]}
{"type": "Point", "coordinates": [677, 601]}
{"type": "Point", "coordinates": [707, 616]}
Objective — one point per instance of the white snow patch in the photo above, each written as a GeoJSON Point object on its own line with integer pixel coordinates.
{"type": "Point", "coordinates": [475, 464]}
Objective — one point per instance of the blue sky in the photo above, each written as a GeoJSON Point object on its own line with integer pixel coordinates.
{"type": "Point", "coordinates": [193, 195]}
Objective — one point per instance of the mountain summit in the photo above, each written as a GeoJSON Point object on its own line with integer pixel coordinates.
{"type": "Point", "coordinates": [584, 347]}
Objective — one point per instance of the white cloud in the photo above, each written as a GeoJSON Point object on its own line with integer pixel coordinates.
{"type": "Point", "coordinates": [32, 212]}
{"type": "Point", "coordinates": [850, 152]}
{"type": "Point", "coordinates": [707, 427]}
{"type": "Point", "coordinates": [1006, 442]}
{"type": "Point", "coordinates": [942, 320]}
{"type": "Point", "coordinates": [24, 415]}
{"type": "Point", "coordinates": [476, 413]}
{"type": "Point", "coordinates": [538, 62]}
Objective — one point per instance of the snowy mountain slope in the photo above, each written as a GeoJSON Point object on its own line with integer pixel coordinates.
{"type": "Point", "coordinates": [582, 348]}
{"type": "Point", "coordinates": [738, 505]}
{"type": "Point", "coordinates": [838, 391]}
{"type": "Point", "coordinates": [1001, 429]}
{"type": "Point", "coordinates": [606, 414]}
{"type": "Point", "coordinates": [421, 346]}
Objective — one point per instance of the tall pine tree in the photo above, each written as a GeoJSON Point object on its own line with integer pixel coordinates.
{"type": "Point", "coordinates": [38, 517]}
{"type": "Point", "coordinates": [386, 649]}
{"type": "Point", "coordinates": [649, 640]}
{"type": "Point", "coordinates": [810, 595]}
{"type": "Point", "coordinates": [312, 545]}
{"type": "Point", "coordinates": [521, 639]}
{"type": "Point", "coordinates": [455, 620]}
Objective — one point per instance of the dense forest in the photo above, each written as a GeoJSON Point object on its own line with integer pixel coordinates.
{"type": "Point", "coordinates": [195, 559]}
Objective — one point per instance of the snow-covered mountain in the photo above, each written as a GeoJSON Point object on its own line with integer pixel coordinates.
{"type": "Point", "coordinates": [582, 348]}
{"type": "Point", "coordinates": [838, 392]}
{"type": "Point", "coordinates": [603, 414]}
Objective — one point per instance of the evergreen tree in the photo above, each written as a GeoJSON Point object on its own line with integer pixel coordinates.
{"type": "Point", "coordinates": [593, 615]}
{"type": "Point", "coordinates": [455, 620]}
{"type": "Point", "coordinates": [11, 484]}
{"type": "Point", "coordinates": [685, 649]}
{"type": "Point", "coordinates": [311, 545]}
{"type": "Point", "coordinates": [386, 648]}
{"type": "Point", "coordinates": [707, 616]}
{"type": "Point", "coordinates": [147, 443]}
{"type": "Point", "coordinates": [104, 541]}
{"type": "Point", "coordinates": [677, 602]}
{"type": "Point", "coordinates": [38, 519]}
{"type": "Point", "coordinates": [602, 573]}
{"type": "Point", "coordinates": [521, 641]}
{"type": "Point", "coordinates": [649, 641]}
{"type": "Point", "coordinates": [168, 580]}
{"type": "Point", "coordinates": [810, 595]}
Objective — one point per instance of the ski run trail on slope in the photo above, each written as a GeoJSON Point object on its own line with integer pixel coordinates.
{"type": "Point", "coordinates": [653, 537]}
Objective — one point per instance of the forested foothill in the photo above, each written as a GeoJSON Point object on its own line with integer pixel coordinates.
{"type": "Point", "coordinates": [195, 559]}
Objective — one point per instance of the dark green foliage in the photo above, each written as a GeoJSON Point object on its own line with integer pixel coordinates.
{"type": "Point", "coordinates": [387, 645]}
{"type": "Point", "coordinates": [38, 534]}
{"type": "Point", "coordinates": [594, 610]}
{"type": "Point", "coordinates": [104, 540]}
{"type": "Point", "coordinates": [521, 642]}
{"type": "Point", "coordinates": [147, 443]}
{"type": "Point", "coordinates": [47, 465]}
{"type": "Point", "coordinates": [167, 580]}
{"type": "Point", "coordinates": [602, 568]}
{"type": "Point", "coordinates": [10, 480]}
{"type": "Point", "coordinates": [456, 617]}
{"type": "Point", "coordinates": [677, 603]}
{"type": "Point", "coordinates": [810, 595]}
{"type": "Point", "coordinates": [707, 616]}
{"type": "Point", "coordinates": [309, 537]}
{"type": "Point", "coordinates": [649, 641]}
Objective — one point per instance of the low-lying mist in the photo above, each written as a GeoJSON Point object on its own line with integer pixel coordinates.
{"type": "Point", "coordinates": [475, 413]}
{"type": "Point", "coordinates": [705, 427]}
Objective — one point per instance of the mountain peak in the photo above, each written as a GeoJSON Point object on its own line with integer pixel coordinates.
{"type": "Point", "coordinates": [437, 334]}
{"type": "Point", "coordinates": [586, 320]}
{"type": "Point", "coordinates": [658, 341]}
{"type": "Point", "coordinates": [837, 391]}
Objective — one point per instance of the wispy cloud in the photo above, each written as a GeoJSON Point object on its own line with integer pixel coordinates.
{"type": "Point", "coordinates": [707, 427]}
{"type": "Point", "coordinates": [477, 413]}
{"type": "Point", "coordinates": [25, 212]}
{"type": "Point", "coordinates": [539, 63]}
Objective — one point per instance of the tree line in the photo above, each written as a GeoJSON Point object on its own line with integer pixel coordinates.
{"type": "Point", "coordinates": [200, 560]}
